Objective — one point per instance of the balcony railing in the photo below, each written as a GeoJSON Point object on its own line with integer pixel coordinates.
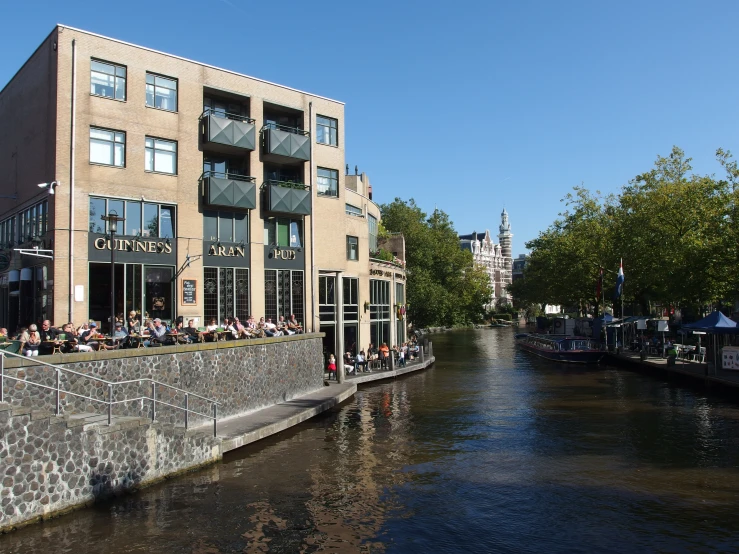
{"type": "Point", "coordinates": [229, 129]}
{"type": "Point", "coordinates": [287, 144]}
{"type": "Point", "coordinates": [229, 190]}
{"type": "Point", "coordinates": [287, 197]}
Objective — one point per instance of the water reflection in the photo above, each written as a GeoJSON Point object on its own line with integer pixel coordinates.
{"type": "Point", "coordinates": [489, 451]}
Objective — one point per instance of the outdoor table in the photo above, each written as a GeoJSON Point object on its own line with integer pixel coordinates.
{"type": "Point", "coordinates": [138, 339]}
{"type": "Point", "coordinates": [56, 345]}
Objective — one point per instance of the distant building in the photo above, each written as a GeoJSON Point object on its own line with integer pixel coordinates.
{"type": "Point", "coordinates": [518, 265]}
{"type": "Point", "coordinates": [497, 259]}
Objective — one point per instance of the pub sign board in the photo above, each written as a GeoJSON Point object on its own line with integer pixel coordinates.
{"type": "Point", "coordinates": [189, 292]}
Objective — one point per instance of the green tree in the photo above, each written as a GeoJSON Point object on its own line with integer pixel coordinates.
{"type": "Point", "coordinates": [444, 287]}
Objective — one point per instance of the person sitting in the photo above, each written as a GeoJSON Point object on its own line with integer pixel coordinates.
{"type": "Point", "coordinates": [294, 325]}
{"type": "Point", "coordinates": [240, 329]}
{"type": "Point", "coordinates": [231, 332]}
{"type": "Point", "coordinates": [158, 333]}
{"type": "Point", "coordinates": [269, 328]}
{"type": "Point", "coordinates": [48, 338]}
{"type": "Point", "coordinates": [360, 362]}
{"type": "Point", "coordinates": [88, 337]}
{"type": "Point", "coordinates": [349, 366]}
{"type": "Point", "coordinates": [372, 352]}
{"type": "Point", "coordinates": [31, 341]}
{"type": "Point", "coordinates": [3, 333]}
{"type": "Point", "coordinates": [284, 327]}
{"type": "Point", "coordinates": [252, 329]}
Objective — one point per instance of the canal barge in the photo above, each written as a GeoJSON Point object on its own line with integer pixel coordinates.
{"type": "Point", "coordinates": [562, 348]}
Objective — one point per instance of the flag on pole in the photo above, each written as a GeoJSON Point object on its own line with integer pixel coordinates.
{"type": "Point", "coordinates": [619, 280]}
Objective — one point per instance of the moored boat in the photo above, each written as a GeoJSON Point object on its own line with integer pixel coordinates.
{"type": "Point", "coordinates": [562, 348]}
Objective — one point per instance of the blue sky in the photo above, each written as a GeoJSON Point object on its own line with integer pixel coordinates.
{"type": "Point", "coordinates": [470, 106]}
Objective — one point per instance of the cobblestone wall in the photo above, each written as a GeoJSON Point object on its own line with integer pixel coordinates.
{"type": "Point", "coordinates": [51, 464]}
{"type": "Point", "coordinates": [242, 376]}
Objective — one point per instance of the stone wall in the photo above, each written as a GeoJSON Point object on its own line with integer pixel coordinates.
{"type": "Point", "coordinates": [242, 376]}
{"type": "Point", "coordinates": [51, 464]}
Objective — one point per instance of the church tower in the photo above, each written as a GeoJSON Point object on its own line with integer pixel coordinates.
{"type": "Point", "coordinates": [506, 247]}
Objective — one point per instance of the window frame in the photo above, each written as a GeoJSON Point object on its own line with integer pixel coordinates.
{"type": "Point", "coordinates": [113, 143]}
{"type": "Point", "coordinates": [271, 228]}
{"type": "Point", "coordinates": [154, 84]}
{"type": "Point", "coordinates": [333, 177]}
{"type": "Point", "coordinates": [349, 250]}
{"type": "Point", "coordinates": [142, 220]}
{"type": "Point", "coordinates": [328, 127]}
{"type": "Point", "coordinates": [358, 213]}
{"type": "Point", "coordinates": [116, 77]}
{"type": "Point", "coordinates": [219, 219]}
{"type": "Point", "coordinates": [154, 150]}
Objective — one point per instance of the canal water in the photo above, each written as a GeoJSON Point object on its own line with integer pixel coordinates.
{"type": "Point", "coordinates": [491, 450]}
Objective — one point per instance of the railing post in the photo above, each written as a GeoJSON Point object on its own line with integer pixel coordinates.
{"type": "Point", "coordinates": [2, 376]}
{"type": "Point", "coordinates": [110, 403]}
{"type": "Point", "coordinates": [187, 407]}
{"type": "Point", "coordinates": [58, 386]}
{"type": "Point", "coordinates": [153, 401]}
{"type": "Point", "coordinates": [215, 419]}
{"type": "Point", "coordinates": [421, 352]}
{"type": "Point", "coordinates": [431, 349]}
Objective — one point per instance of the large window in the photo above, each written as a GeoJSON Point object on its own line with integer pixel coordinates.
{"type": "Point", "coordinates": [372, 223]}
{"type": "Point", "coordinates": [108, 80]}
{"type": "Point", "coordinates": [283, 294]}
{"type": "Point", "coordinates": [379, 311]}
{"type": "Point", "coordinates": [225, 226]}
{"type": "Point", "coordinates": [400, 323]}
{"type": "Point", "coordinates": [226, 293]}
{"type": "Point", "coordinates": [158, 220]}
{"type": "Point", "coordinates": [160, 156]}
{"type": "Point", "coordinates": [327, 299]}
{"type": "Point", "coordinates": [328, 182]}
{"type": "Point", "coordinates": [32, 222]}
{"type": "Point", "coordinates": [7, 233]}
{"type": "Point", "coordinates": [107, 147]}
{"type": "Point", "coordinates": [161, 92]}
{"type": "Point", "coordinates": [327, 130]}
{"type": "Point", "coordinates": [351, 299]}
{"type": "Point", "coordinates": [352, 248]}
{"type": "Point", "coordinates": [283, 232]}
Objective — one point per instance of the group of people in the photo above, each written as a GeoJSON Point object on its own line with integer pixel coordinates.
{"type": "Point", "coordinates": [360, 363]}
{"type": "Point", "coordinates": [49, 339]}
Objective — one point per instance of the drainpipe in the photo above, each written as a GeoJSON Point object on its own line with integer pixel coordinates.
{"type": "Point", "coordinates": [70, 314]}
{"type": "Point", "coordinates": [312, 229]}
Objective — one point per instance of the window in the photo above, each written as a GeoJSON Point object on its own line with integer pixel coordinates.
{"type": "Point", "coordinates": [372, 222]}
{"type": "Point", "coordinates": [158, 220]}
{"type": "Point", "coordinates": [32, 222]}
{"type": "Point", "coordinates": [283, 294]}
{"type": "Point", "coordinates": [107, 147]}
{"type": "Point", "coordinates": [328, 182]}
{"type": "Point", "coordinates": [160, 156]}
{"type": "Point", "coordinates": [108, 80]}
{"type": "Point", "coordinates": [351, 299]}
{"type": "Point", "coordinates": [379, 311]}
{"type": "Point", "coordinates": [226, 293]}
{"type": "Point", "coordinates": [352, 248]}
{"type": "Point", "coordinates": [353, 210]}
{"type": "Point", "coordinates": [161, 92]}
{"type": "Point", "coordinates": [283, 232]}
{"type": "Point", "coordinates": [7, 233]}
{"type": "Point", "coordinates": [327, 130]}
{"type": "Point", "coordinates": [225, 226]}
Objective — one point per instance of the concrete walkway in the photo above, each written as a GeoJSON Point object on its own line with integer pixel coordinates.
{"type": "Point", "coordinates": [688, 368]}
{"type": "Point", "coordinates": [239, 431]}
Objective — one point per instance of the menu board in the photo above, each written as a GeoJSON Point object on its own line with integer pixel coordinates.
{"type": "Point", "coordinates": [189, 294]}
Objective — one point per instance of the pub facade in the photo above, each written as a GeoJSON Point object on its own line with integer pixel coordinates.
{"type": "Point", "coordinates": [228, 197]}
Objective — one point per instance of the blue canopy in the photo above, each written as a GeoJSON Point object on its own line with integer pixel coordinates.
{"type": "Point", "coordinates": [715, 322]}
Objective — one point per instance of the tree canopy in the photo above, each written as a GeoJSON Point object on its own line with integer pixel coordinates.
{"type": "Point", "coordinates": [675, 231]}
{"type": "Point", "coordinates": [444, 287]}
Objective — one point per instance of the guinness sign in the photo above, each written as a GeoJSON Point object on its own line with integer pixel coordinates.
{"type": "Point", "coordinates": [148, 246]}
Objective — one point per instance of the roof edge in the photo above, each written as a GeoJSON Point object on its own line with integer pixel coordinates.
{"type": "Point", "coordinates": [62, 26]}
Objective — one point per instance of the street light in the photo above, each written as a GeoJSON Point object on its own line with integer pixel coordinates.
{"type": "Point", "coordinates": [49, 186]}
{"type": "Point", "coordinates": [112, 220]}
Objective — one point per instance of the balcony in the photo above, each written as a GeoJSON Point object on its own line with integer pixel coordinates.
{"type": "Point", "coordinates": [285, 144]}
{"type": "Point", "coordinates": [229, 190]}
{"type": "Point", "coordinates": [287, 197]}
{"type": "Point", "coordinates": [227, 131]}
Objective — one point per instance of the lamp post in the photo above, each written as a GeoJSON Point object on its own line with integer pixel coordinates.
{"type": "Point", "coordinates": [112, 220]}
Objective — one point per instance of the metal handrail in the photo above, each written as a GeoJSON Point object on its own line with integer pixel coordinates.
{"type": "Point", "coordinates": [287, 129]}
{"type": "Point", "coordinates": [227, 115]}
{"type": "Point", "coordinates": [235, 176]}
{"type": "Point", "coordinates": [110, 384]}
{"type": "Point", "coordinates": [286, 184]}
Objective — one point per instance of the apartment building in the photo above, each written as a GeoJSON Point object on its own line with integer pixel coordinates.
{"type": "Point", "coordinates": [185, 190]}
